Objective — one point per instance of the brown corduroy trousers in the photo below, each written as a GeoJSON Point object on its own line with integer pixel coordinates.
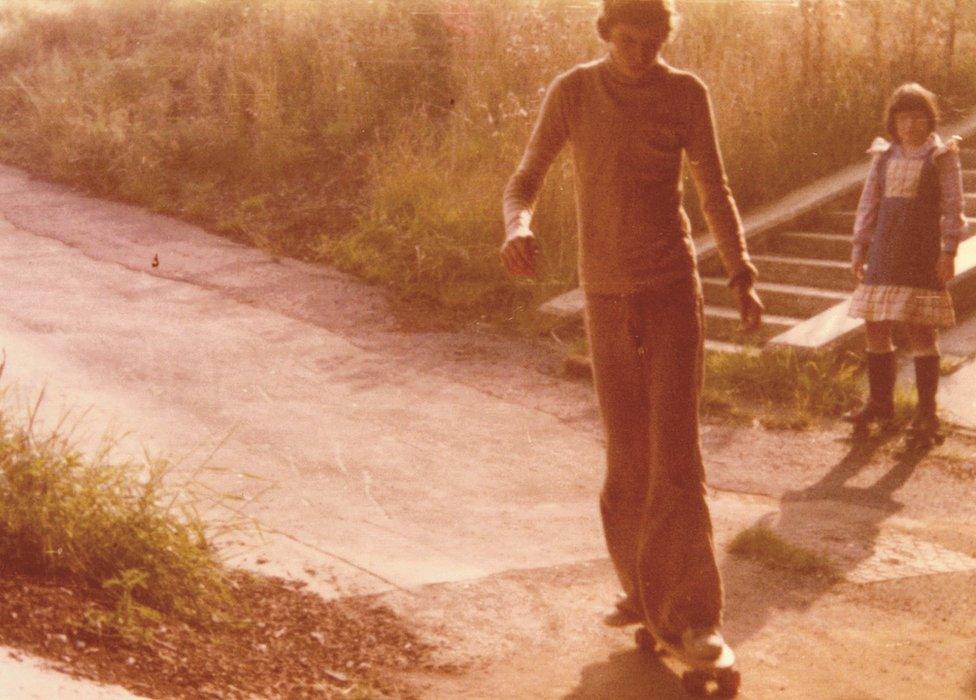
{"type": "Point", "coordinates": [647, 364]}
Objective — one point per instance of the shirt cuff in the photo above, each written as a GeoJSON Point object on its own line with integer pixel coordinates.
{"type": "Point", "coordinates": [745, 274]}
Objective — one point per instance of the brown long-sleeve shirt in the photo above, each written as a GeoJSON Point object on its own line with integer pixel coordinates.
{"type": "Point", "coordinates": [627, 137]}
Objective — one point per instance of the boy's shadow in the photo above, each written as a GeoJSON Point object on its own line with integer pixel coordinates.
{"type": "Point", "coordinates": [844, 520]}
{"type": "Point", "coordinates": [627, 675]}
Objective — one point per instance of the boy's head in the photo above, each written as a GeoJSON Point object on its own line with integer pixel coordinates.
{"type": "Point", "coordinates": [655, 15]}
{"type": "Point", "coordinates": [635, 30]}
{"type": "Point", "coordinates": [912, 111]}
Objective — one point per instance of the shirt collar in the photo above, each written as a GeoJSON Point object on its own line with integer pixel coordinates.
{"type": "Point", "coordinates": [653, 73]}
{"type": "Point", "coordinates": [881, 145]}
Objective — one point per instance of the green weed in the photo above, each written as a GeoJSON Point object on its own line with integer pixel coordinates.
{"type": "Point", "coordinates": [781, 387]}
{"type": "Point", "coordinates": [109, 527]}
{"type": "Point", "coordinates": [761, 543]}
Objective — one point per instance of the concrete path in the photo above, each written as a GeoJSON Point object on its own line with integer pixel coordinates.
{"type": "Point", "coordinates": [388, 476]}
{"type": "Point", "coordinates": [23, 677]}
{"type": "Point", "coordinates": [957, 392]}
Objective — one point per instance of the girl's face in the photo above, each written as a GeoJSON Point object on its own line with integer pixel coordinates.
{"type": "Point", "coordinates": [913, 127]}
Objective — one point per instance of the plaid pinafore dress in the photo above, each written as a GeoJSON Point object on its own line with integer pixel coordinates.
{"type": "Point", "coordinates": [901, 282]}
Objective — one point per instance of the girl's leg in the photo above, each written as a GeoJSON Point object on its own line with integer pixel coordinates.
{"type": "Point", "coordinates": [878, 337]}
{"type": "Point", "coordinates": [882, 369]}
{"type": "Point", "coordinates": [924, 342]}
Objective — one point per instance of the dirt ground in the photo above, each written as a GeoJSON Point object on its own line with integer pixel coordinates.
{"type": "Point", "coordinates": [451, 474]}
{"type": "Point", "coordinates": [274, 640]}
{"type": "Point", "coordinates": [911, 635]}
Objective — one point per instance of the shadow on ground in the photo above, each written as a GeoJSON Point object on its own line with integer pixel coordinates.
{"type": "Point", "coordinates": [840, 517]}
{"type": "Point", "coordinates": [831, 517]}
{"type": "Point", "coordinates": [628, 675]}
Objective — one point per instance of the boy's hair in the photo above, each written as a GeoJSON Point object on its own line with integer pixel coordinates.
{"type": "Point", "coordinates": [646, 14]}
{"type": "Point", "coordinates": [911, 97]}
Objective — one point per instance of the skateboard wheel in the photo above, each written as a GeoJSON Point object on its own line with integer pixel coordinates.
{"type": "Point", "coordinates": [728, 680]}
{"type": "Point", "coordinates": [695, 683]}
{"type": "Point", "coordinates": [645, 640]}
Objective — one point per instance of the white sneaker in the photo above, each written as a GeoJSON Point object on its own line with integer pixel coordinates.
{"type": "Point", "coordinates": [624, 613]}
{"type": "Point", "coordinates": [706, 644]}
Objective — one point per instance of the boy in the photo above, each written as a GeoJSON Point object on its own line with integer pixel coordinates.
{"type": "Point", "coordinates": [628, 117]}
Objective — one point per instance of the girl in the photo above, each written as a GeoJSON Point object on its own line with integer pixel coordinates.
{"type": "Point", "coordinates": [909, 222]}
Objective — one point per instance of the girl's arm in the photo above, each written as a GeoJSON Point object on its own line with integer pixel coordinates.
{"type": "Point", "coordinates": [953, 221]}
{"type": "Point", "coordinates": [867, 211]}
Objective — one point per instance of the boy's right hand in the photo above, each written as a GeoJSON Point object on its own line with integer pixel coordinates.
{"type": "Point", "coordinates": [519, 252]}
{"type": "Point", "coordinates": [857, 267]}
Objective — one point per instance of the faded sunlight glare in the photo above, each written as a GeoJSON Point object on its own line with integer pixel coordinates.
{"type": "Point", "coordinates": [376, 135]}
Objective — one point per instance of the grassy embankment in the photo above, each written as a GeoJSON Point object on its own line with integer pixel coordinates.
{"type": "Point", "coordinates": [376, 137]}
{"type": "Point", "coordinates": [106, 567]}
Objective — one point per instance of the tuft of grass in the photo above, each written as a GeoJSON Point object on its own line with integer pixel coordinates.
{"type": "Point", "coordinates": [954, 461]}
{"type": "Point", "coordinates": [109, 527]}
{"type": "Point", "coordinates": [782, 387]}
{"type": "Point", "coordinates": [950, 363]}
{"type": "Point", "coordinates": [762, 544]}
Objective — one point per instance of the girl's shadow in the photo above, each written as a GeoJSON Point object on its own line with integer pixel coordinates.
{"type": "Point", "coordinates": [829, 516]}
{"type": "Point", "coordinates": [833, 485]}
{"type": "Point", "coordinates": [829, 511]}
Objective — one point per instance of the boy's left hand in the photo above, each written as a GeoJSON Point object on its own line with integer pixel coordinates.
{"type": "Point", "coordinates": [946, 268]}
{"type": "Point", "coordinates": [750, 307]}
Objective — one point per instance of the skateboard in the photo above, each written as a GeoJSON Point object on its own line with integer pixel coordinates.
{"type": "Point", "coordinates": [715, 678]}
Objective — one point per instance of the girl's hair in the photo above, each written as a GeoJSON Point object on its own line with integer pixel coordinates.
{"type": "Point", "coordinates": [911, 97]}
{"type": "Point", "coordinates": [646, 14]}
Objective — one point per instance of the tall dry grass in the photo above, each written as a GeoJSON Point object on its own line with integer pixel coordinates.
{"type": "Point", "coordinates": [377, 135]}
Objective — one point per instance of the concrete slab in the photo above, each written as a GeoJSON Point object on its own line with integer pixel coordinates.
{"type": "Point", "coordinates": [957, 392]}
{"type": "Point", "coordinates": [373, 474]}
{"type": "Point", "coordinates": [897, 556]}
{"type": "Point", "coordinates": [957, 396]}
{"type": "Point", "coordinates": [24, 677]}
{"type": "Point", "coordinates": [961, 339]}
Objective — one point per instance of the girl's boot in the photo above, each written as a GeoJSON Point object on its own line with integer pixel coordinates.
{"type": "Point", "coordinates": [925, 428]}
{"type": "Point", "coordinates": [880, 406]}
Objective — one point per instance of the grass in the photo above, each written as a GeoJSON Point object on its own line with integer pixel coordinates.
{"type": "Point", "coordinates": [108, 571]}
{"type": "Point", "coordinates": [762, 544]}
{"type": "Point", "coordinates": [780, 387]}
{"type": "Point", "coordinates": [950, 363]}
{"type": "Point", "coordinates": [377, 136]}
{"type": "Point", "coordinates": [108, 527]}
